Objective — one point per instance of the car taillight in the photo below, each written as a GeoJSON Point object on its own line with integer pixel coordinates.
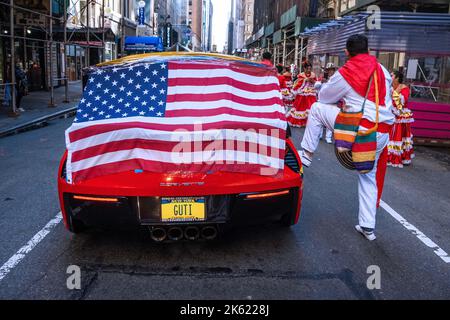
{"type": "Point", "coordinates": [98, 199]}
{"type": "Point", "coordinates": [291, 160]}
{"type": "Point", "coordinates": [267, 194]}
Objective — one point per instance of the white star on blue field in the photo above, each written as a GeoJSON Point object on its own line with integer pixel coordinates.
{"type": "Point", "coordinates": [139, 90]}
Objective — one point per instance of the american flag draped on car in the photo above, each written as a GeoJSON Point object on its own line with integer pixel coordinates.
{"type": "Point", "coordinates": [171, 113]}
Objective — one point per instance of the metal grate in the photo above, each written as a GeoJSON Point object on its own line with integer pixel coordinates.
{"type": "Point", "coordinates": [291, 161]}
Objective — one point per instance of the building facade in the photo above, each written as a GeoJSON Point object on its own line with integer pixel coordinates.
{"type": "Point", "coordinates": [277, 25]}
{"type": "Point", "coordinates": [91, 34]}
{"type": "Point", "coordinates": [409, 40]}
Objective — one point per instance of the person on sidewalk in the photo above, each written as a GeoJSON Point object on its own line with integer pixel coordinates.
{"type": "Point", "coordinates": [330, 69]}
{"type": "Point", "coordinates": [21, 86]}
{"type": "Point", "coordinates": [400, 148]}
{"type": "Point", "coordinates": [352, 83]}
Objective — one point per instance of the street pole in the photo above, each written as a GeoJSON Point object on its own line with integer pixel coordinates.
{"type": "Point", "coordinates": [301, 54]}
{"type": "Point", "coordinates": [284, 48]}
{"type": "Point", "coordinates": [88, 48]}
{"type": "Point", "coordinates": [66, 72]}
{"type": "Point", "coordinates": [122, 28]}
{"type": "Point", "coordinates": [25, 57]}
{"type": "Point", "coordinates": [52, 102]}
{"type": "Point", "coordinates": [103, 31]}
{"type": "Point", "coordinates": [13, 61]}
{"type": "Point", "coordinates": [296, 51]}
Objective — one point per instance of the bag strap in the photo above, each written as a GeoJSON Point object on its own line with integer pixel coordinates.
{"type": "Point", "coordinates": [367, 92]}
{"type": "Point", "coordinates": [377, 106]}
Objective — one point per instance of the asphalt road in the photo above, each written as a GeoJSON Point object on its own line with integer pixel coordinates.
{"type": "Point", "coordinates": [322, 257]}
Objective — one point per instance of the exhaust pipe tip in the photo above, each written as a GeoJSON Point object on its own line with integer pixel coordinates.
{"type": "Point", "coordinates": [192, 233]}
{"type": "Point", "coordinates": [209, 232]}
{"type": "Point", "coordinates": [175, 233]}
{"type": "Point", "coordinates": [158, 234]}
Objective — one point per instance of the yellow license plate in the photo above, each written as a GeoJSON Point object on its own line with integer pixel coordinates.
{"type": "Point", "coordinates": [183, 209]}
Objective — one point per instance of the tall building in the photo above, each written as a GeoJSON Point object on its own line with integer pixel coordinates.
{"type": "Point", "coordinates": [242, 24]}
{"type": "Point", "coordinates": [206, 25]}
{"type": "Point", "coordinates": [248, 10]}
{"type": "Point", "coordinates": [235, 27]}
{"type": "Point", "coordinates": [172, 20]}
{"type": "Point", "coordinates": [239, 25]}
{"type": "Point", "coordinates": [210, 37]}
{"type": "Point", "coordinates": [195, 14]}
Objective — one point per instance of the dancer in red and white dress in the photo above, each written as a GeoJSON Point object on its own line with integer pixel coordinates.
{"type": "Point", "coordinates": [305, 96]}
{"type": "Point", "coordinates": [400, 148]}
{"type": "Point", "coordinates": [286, 91]}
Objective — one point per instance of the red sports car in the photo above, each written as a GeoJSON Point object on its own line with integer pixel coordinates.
{"type": "Point", "coordinates": [173, 204]}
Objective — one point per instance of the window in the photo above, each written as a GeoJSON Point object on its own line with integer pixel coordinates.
{"type": "Point", "coordinates": [432, 79]}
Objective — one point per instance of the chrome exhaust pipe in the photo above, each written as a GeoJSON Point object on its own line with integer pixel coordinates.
{"type": "Point", "coordinates": [158, 234]}
{"type": "Point", "coordinates": [175, 233]}
{"type": "Point", "coordinates": [191, 233]}
{"type": "Point", "coordinates": [209, 232]}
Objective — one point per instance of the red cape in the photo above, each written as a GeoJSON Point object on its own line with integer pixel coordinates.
{"type": "Point", "coordinates": [357, 72]}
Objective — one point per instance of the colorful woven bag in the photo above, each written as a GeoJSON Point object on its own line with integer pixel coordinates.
{"type": "Point", "coordinates": [355, 148]}
{"type": "Point", "coordinates": [364, 149]}
{"type": "Point", "coordinates": [347, 125]}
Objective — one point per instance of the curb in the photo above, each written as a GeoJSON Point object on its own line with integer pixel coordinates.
{"type": "Point", "coordinates": [431, 142]}
{"type": "Point", "coordinates": [39, 122]}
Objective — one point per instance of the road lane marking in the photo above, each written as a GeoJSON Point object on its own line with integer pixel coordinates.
{"type": "Point", "coordinates": [22, 252]}
{"type": "Point", "coordinates": [419, 234]}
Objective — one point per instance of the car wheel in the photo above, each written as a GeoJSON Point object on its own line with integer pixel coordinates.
{"type": "Point", "coordinates": [75, 225]}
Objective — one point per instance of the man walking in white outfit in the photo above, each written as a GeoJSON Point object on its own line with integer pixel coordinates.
{"type": "Point", "coordinates": [350, 84]}
{"type": "Point", "coordinates": [330, 69]}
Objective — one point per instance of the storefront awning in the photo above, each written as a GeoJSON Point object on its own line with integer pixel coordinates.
{"type": "Point", "coordinates": [80, 35]}
{"type": "Point", "coordinates": [416, 33]}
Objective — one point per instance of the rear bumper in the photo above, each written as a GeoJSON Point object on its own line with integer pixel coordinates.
{"type": "Point", "coordinates": [225, 195]}
{"type": "Point", "coordinates": [233, 209]}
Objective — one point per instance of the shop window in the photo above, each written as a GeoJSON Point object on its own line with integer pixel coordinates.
{"type": "Point", "coordinates": [390, 60]}
{"type": "Point", "coordinates": [429, 78]}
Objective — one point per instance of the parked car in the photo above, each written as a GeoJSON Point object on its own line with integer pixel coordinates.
{"type": "Point", "coordinates": [177, 204]}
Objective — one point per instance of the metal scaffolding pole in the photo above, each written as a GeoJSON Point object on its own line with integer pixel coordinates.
{"type": "Point", "coordinates": [284, 48]}
{"type": "Point", "coordinates": [88, 19]}
{"type": "Point", "coordinates": [66, 72]}
{"type": "Point", "coordinates": [275, 54]}
{"type": "Point", "coordinates": [122, 28]}
{"type": "Point", "coordinates": [51, 104]}
{"type": "Point", "coordinates": [301, 54]}
{"type": "Point", "coordinates": [13, 60]}
{"type": "Point", "coordinates": [103, 30]}
{"type": "Point", "coordinates": [296, 51]}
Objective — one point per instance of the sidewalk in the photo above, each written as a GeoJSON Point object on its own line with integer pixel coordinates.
{"type": "Point", "coordinates": [35, 105]}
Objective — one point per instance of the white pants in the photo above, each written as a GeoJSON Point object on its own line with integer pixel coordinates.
{"type": "Point", "coordinates": [328, 134]}
{"type": "Point", "coordinates": [324, 115]}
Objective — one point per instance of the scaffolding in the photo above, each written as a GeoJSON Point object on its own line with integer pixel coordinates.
{"type": "Point", "coordinates": [49, 41]}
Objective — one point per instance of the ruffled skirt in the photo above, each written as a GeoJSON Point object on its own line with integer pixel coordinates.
{"type": "Point", "coordinates": [298, 116]}
{"type": "Point", "coordinates": [400, 147]}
